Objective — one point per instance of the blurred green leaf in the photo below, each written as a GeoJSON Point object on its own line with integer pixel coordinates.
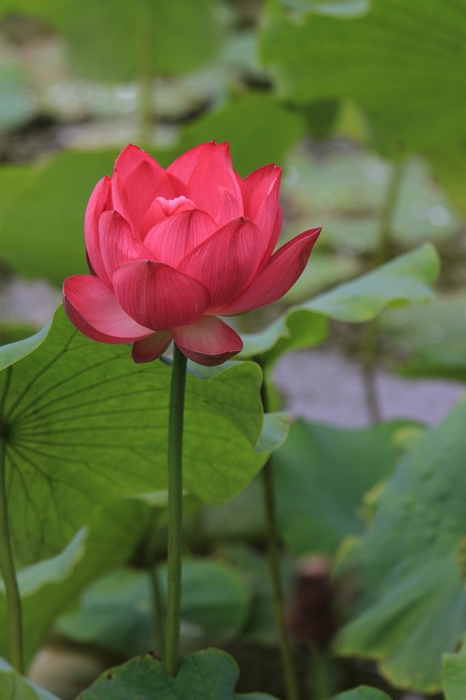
{"type": "Point", "coordinates": [333, 8]}
{"type": "Point", "coordinates": [403, 64]}
{"type": "Point", "coordinates": [241, 518]}
{"type": "Point", "coordinates": [84, 423]}
{"type": "Point", "coordinates": [13, 352]}
{"type": "Point", "coordinates": [274, 432]}
{"type": "Point", "coordinates": [454, 675]}
{"type": "Point", "coordinates": [321, 476]}
{"type": "Point", "coordinates": [320, 117]}
{"type": "Point", "coordinates": [16, 687]}
{"type": "Point", "coordinates": [13, 178]}
{"type": "Point", "coordinates": [116, 611]}
{"type": "Point", "coordinates": [42, 227]}
{"type": "Point", "coordinates": [260, 130]}
{"type": "Point", "coordinates": [402, 281]}
{"type": "Point", "coordinates": [364, 692]}
{"type": "Point", "coordinates": [449, 167]}
{"type": "Point", "coordinates": [42, 223]}
{"type": "Point", "coordinates": [206, 675]}
{"type": "Point", "coordinates": [322, 271]}
{"type": "Point", "coordinates": [50, 587]}
{"type": "Point", "coordinates": [407, 570]}
{"type": "Point", "coordinates": [344, 193]}
{"type": "Point", "coordinates": [261, 626]}
{"type": "Point", "coordinates": [13, 333]}
{"type": "Point", "coordinates": [428, 342]}
{"type": "Point", "coordinates": [104, 38]}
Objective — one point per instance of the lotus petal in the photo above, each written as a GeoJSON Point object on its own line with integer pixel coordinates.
{"type": "Point", "coordinates": [172, 239]}
{"type": "Point", "coordinates": [226, 262]}
{"type": "Point", "coordinates": [208, 342]}
{"type": "Point", "coordinates": [228, 207]}
{"type": "Point", "coordinates": [254, 178]}
{"type": "Point", "coordinates": [214, 170]}
{"type": "Point", "coordinates": [137, 180]}
{"type": "Point", "coordinates": [282, 271]}
{"type": "Point", "coordinates": [100, 200]}
{"type": "Point", "coordinates": [162, 208]}
{"type": "Point", "coordinates": [153, 346]}
{"type": "Point", "coordinates": [95, 311]}
{"type": "Point", "coordinates": [117, 244]}
{"type": "Point", "coordinates": [182, 168]}
{"type": "Point", "coordinates": [157, 296]}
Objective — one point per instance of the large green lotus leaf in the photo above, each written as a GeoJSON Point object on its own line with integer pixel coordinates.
{"type": "Point", "coordinates": [49, 587]}
{"type": "Point", "coordinates": [364, 692]}
{"type": "Point", "coordinates": [428, 342]}
{"type": "Point", "coordinates": [402, 62]}
{"type": "Point", "coordinates": [16, 687]}
{"type": "Point", "coordinates": [321, 476]}
{"type": "Point", "coordinates": [116, 611]}
{"type": "Point", "coordinates": [260, 130]}
{"type": "Point", "coordinates": [454, 675]}
{"type": "Point", "coordinates": [205, 675]}
{"type": "Point", "coordinates": [83, 423]}
{"type": "Point", "coordinates": [41, 232]}
{"type": "Point", "coordinates": [13, 178]}
{"type": "Point", "coordinates": [407, 569]}
{"type": "Point", "coordinates": [104, 38]}
{"type": "Point", "coordinates": [402, 281]}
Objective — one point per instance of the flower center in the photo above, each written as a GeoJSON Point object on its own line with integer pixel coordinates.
{"type": "Point", "coordinates": [175, 206]}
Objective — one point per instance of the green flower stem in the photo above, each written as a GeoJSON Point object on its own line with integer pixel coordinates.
{"type": "Point", "coordinates": [13, 599]}
{"type": "Point", "coordinates": [369, 340]}
{"type": "Point", "coordinates": [275, 569]}
{"type": "Point", "coordinates": [145, 49]}
{"type": "Point", "coordinates": [175, 510]}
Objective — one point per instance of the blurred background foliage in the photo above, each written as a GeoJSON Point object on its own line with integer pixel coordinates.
{"type": "Point", "coordinates": [364, 105]}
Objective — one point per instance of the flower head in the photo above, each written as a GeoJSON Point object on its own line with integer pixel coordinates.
{"type": "Point", "coordinates": [170, 250]}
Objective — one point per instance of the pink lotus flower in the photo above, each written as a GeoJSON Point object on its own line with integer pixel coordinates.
{"type": "Point", "coordinates": [170, 250]}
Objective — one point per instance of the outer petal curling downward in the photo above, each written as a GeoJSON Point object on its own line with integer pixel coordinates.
{"type": "Point", "coordinates": [95, 311]}
{"type": "Point", "coordinates": [150, 348]}
{"type": "Point", "coordinates": [208, 342]}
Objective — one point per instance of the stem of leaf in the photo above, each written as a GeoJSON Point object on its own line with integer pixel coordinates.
{"type": "Point", "coordinates": [13, 599]}
{"type": "Point", "coordinates": [275, 569]}
{"type": "Point", "coordinates": [158, 611]}
{"type": "Point", "coordinates": [322, 674]}
{"type": "Point", "coordinates": [145, 44]}
{"type": "Point", "coordinates": [175, 510]}
{"type": "Point", "coordinates": [369, 341]}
